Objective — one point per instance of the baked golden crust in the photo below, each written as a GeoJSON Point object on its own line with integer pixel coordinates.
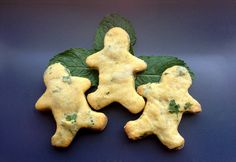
{"type": "Point", "coordinates": [116, 68]}
{"type": "Point", "coordinates": [65, 97]}
{"type": "Point", "coordinates": [157, 118]}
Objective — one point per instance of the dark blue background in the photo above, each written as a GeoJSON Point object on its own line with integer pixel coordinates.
{"type": "Point", "coordinates": [203, 33]}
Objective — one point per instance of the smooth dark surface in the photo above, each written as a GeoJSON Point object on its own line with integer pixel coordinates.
{"type": "Point", "coordinates": [203, 33]}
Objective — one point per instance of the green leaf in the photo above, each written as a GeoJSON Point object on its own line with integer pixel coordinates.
{"type": "Point", "coordinates": [71, 117]}
{"type": "Point", "coordinates": [74, 60]}
{"type": "Point", "coordinates": [173, 107]}
{"type": "Point", "coordinates": [156, 66]}
{"type": "Point", "coordinates": [108, 22]}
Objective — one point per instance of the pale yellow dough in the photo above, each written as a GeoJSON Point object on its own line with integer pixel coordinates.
{"type": "Point", "coordinates": [156, 118]}
{"type": "Point", "coordinates": [65, 97]}
{"type": "Point", "coordinates": [116, 68]}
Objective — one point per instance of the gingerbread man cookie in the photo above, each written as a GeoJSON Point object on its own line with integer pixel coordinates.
{"type": "Point", "coordinates": [65, 97]}
{"type": "Point", "coordinates": [166, 103]}
{"type": "Point", "coordinates": [116, 68]}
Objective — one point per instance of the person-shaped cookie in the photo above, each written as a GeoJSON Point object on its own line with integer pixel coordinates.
{"type": "Point", "coordinates": [116, 68]}
{"type": "Point", "coordinates": [65, 97]}
{"type": "Point", "coordinates": [166, 103]}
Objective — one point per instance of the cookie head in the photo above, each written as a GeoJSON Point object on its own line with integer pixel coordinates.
{"type": "Point", "coordinates": [177, 76]}
{"type": "Point", "coordinates": [55, 71]}
{"type": "Point", "coordinates": [117, 38]}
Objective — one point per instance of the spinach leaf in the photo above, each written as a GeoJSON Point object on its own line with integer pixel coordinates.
{"type": "Point", "coordinates": [156, 66]}
{"type": "Point", "coordinates": [108, 22]}
{"type": "Point", "coordinates": [74, 60]}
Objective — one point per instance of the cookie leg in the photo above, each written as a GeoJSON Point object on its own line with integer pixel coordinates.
{"type": "Point", "coordinates": [137, 129]}
{"type": "Point", "coordinates": [133, 102]}
{"type": "Point", "coordinates": [43, 102]}
{"type": "Point", "coordinates": [99, 99]}
{"type": "Point", "coordinates": [62, 138]}
{"type": "Point", "coordinates": [172, 139]}
{"type": "Point", "coordinates": [64, 133]}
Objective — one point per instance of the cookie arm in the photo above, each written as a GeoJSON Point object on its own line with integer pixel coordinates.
{"type": "Point", "coordinates": [138, 128]}
{"type": "Point", "coordinates": [138, 64]}
{"type": "Point", "coordinates": [93, 60]}
{"type": "Point", "coordinates": [43, 102]}
{"type": "Point", "coordinates": [83, 83]}
{"type": "Point", "coordinates": [94, 120]}
{"type": "Point", "coordinates": [140, 90]}
{"type": "Point", "coordinates": [195, 106]}
{"type": "Point", "coordinates": [144, 90]}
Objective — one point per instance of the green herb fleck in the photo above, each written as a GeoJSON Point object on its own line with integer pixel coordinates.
{"type": "Point", "coordinates": [91, 121]}
{"type": "Point", "coordinates": [57, 89]}
{"type": "Point", "coordinates": [187, 105]}
{"type": "Point", "coordinates": [71, 117]}
{"type": "Point", "coordinates": [67, 70]}
{"type": "Point", "coordinates": [173, 107]}
{"type": "Point", "coordinates": [180, 71]}
{"type": "Point", "coordinates": [66, 79]}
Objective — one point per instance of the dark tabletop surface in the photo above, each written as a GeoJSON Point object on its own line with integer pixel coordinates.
{"type": "Point", "coordinates": [203, 33]}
